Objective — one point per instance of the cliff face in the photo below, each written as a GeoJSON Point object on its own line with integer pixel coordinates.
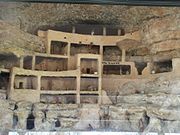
{"type": "Point", "coordinates": [155, 110]}
{"type": "Point", "coordinates": [32, 16]}
{"type": "Point", "coordinates": [159, 25]}
{"type": "Point", "coordinates": [162, 34]}
{"type": "Point", "coordinates": [150, 106]}
{"type": "Point", "coordinates": [17, 42]}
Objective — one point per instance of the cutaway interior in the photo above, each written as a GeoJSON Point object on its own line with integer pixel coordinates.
{"type": "Point", "coordinates": [27, 63]}
{"type": "Point", "coordinates": [89, 84]}
{"type": "Point", "coordinates": [111, 53]}
{"type": "Point", "coordinates": [25, 82]}
{"type": "Point", "coordinates": [9, 61]}
{"type": "Point", "coordinates": [84, 48]}
{"type": "Point", "coordinates": [162, 66]}
{"type": "Point", "coordinates": [58, 83]}
{"type": "Point", "coordinates": [58, 47]}
{"type": "Point", "coordinates": [58, 99]}
{"type": "Point", "coordinates": [89, 66]}
{"type": "Point", "coordinates": [117, 69]}
{"type": "Point", "coordinates": [89, 98]}
{"type": "Point", "coordinates": [4, 79]}
{"type": "Point", "coordinates": [50, 64]}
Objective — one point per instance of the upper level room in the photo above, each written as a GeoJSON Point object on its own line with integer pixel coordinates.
{"type": "Point", "coordinates": [54, 40]}
{"type": "Point", "coordinates": [89, 28]}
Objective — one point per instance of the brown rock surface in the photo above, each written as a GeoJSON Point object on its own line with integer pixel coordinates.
{"type": "Point", "coordinates": [162, 34]}
{"type": "Point", "coordinates": [17, 42]}
{"type": "Point", "coordinates": [32, 16]}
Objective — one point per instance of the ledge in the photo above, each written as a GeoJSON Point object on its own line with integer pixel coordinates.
{"type": "Point", "coordinates": [89, 92]}
{"type": "Point", "coordinates": [69, 73]}
{"type": "Point", "coordinates": [51, 55]}
{"type": "Point", "coordinates": [87, 39]}
{"type": "Point", "coordinates": [90, 75]}
{"type": "Point", "coordinates": [58, 92]}
{"type": "Point", "coordinates": [4, 70]}
{"type": "Point", "coordinates": [26, 89]}
{"type": "Point", "coordinates": [88, 56]}
{"type": "Point", "coordinates": [117, 63]}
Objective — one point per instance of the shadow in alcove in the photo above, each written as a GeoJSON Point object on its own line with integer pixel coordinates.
{"type": "Point", "coordinates": [30, 121]}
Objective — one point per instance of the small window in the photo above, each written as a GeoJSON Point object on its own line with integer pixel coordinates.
{"type": "Point", "coordinates": [21, 85]}
{"type": "Point", "coordinates": [163, 66]}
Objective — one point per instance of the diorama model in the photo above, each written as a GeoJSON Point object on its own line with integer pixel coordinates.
{"type": "Point", "coordinates": [84, 77]}
{"type": "Point", "coordinates": [73, 69]}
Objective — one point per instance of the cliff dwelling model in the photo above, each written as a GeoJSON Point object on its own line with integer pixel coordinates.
{"type": "Point", "coordinates": [73, 68]}
{"type": "Point", "coordinates": [117, 70]}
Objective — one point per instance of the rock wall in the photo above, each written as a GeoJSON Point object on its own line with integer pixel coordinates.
{"type": "Point", "coordinates": [155, 110]}
{"type": "Point", "coordinates": [17, 42]}
{"type": "Point", "coordinates": [33, 16]}
{"type": "Point", "coordinates": [151, 105]}
{"type": "Point", "coordinates": [162, 34]}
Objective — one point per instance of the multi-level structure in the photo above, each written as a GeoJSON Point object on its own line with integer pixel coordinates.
{"type": "Point", "coordinates": [73, 69]}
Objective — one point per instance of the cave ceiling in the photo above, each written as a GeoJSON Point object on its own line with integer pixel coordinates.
{"type": "Point", "coordinates": [30, 17]}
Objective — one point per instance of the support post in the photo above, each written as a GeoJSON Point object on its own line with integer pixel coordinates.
{"type": "Point", "coordinates": [11, 87]}
{"type": "Point", "coordinates": [92, 32]}
{"type": "Point", "coordinates": [119, 32]}
{"type": "Point", "coordinates": [48, 43]}
{"type": "Point", "coordinates": [68, 54]}
{"type": "Point", "coordinates": [73, 29]}
{"type": "Point", "coordinates": [38, 83]}
{"type": "Point", "coordinates": [78, 90]}
{"type": "Point", "coordinates": [33, 62]}
{"type": "Point", "coordinates": [123, 55]}
{"type": "Point", "coordinates": [39, 87]}
{"type": "Point", "coordinates": [21, 61]}
{"type": "Point", "coordinates": [100, 80]}
{"type": "Point", "coordinates": [104, 31]}
{"type": "Point", "coordinates": [101, 54]}
{"type": "Point", "coordinates": [78, 80]}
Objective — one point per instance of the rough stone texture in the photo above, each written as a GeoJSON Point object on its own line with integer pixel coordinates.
{"type": "Point", "coordinates": [6, 115]}
{"type": "Point", "coordinates": [162, 34]}
{"type": "Point", "coordinates": [32, 16]}
{"type": "Point", "coordinates": [15, 41]}
{"type": "Point", "coordinates": [105, 99]}
{"type": "Point", "coordinates": [138, 112]}
{"type": "Point", "coordinates": [150, 99]}
{"type": "Point", "coordinates": [22, 110]}
{"type": "Point", "coordinates": [89, 118]}
{"type": "Point", "coordinates": [47, 114]}
{"type": "Point", "coordinates": [145, 106]}
{"type": "Point", "coordinates": [2, 94]}
{"type": "Point", "coordinates": [127, 118]}
{"type": "Point", "coordinates": [159, 25]}
{"type": "Point", "coordinates": [128, 88]}
{"type": "Point", "coordinates": [163, 85]}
